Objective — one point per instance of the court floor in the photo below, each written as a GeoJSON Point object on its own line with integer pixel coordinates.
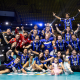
{"type": "Point", "coordinates": [39, 76]}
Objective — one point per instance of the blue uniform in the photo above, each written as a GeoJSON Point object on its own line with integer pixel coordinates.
{"type": "Point", "coordinates": [49, 56]}
{"type": "Point", "coordinates": [32, 37]}
{"type": "Point", "coordinates": [74, 61]}
{"type": "Point", "coordinates": [23, 59]}
{"type": "Point", "coordinates": [38, 61]}
{"type": "Point", "coordinates": [67, 22]}
{"type": "Point", "coordinates": [50, 29]}
{"type": "Point", "coordinates": [38, 31]}
{"type": "Point", "coordinates": [48, 44]}
{"type": "Point", "coordinates": [11, 64]}
{"type": "Point", "coordinates": [60, 60]}
{"type": "Point", "coordinates": [61, 46]}
{"type": "Point", "coordinates": [75, 44]}
{"type": "Point", "coordinates": [36, 46]}
{"type": "Point", "coordinates": [67, 38]}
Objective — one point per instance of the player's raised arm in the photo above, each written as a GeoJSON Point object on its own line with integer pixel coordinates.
{"type": "Point", "coordinates": [54, 14]}
{"type": "Point", "coordinates": [77, 13]}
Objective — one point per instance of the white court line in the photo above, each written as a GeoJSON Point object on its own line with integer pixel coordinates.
{"type": "Point", "coordinates": [9, 74]}
{"type": "Point", "coordinates": [31, 74]}
{"type": "Point", "coordinates": [22, 74]}
{"type": "Point", "coordinates": [25, 74]}
{"type": "Point", "coordinates": [41, 72]}
{"type": "Point", "coordinates": [48, 74]}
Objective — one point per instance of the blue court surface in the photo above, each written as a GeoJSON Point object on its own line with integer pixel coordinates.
{"type": "Point", "coordinates": [39, 76]}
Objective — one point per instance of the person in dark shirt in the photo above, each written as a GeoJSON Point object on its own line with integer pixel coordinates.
{"type": "Point", "coordinates": [5, 41]}
{"type": "Point", "coordinates": [7, 36]}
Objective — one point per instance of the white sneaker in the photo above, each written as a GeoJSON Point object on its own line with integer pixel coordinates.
{"type": "Point", "coordinates": [32, 70]}
{"type": "Point", "coordinates": [43, 71]}
{"type": "Point", "coordinates": [48, 70]}
{"type": "Point", "coordinates": [72, 72]}
{"type": "Point", "coordinates": [29, 68]}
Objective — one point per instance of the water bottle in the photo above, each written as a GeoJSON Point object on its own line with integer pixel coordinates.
{"type": "Point", "coordinates": [55, 50]}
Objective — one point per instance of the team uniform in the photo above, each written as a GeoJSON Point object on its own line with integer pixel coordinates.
{"type": "Point", "coordinates": [11, 65]}
{"type": "Point", "coordinates": [45, 29]}
{"type": "Point", "coordinates": [68, 22]}
{"type": "Point", "coordinates": [61, 46]}
{"type": "Point", "coordinates": [23, 59]}
{"type": "Point", "coordinates": [21, 36]}
{"type": "Point", "coordinates": [38, 61]}
{"type": "Point", "coordinates": [26, 41]}
{"type": "Point", "coordinates": [48, 44]}
{"type": "Point", "coordinates": [60, 60]}
{"type": "Point", "coordinates": [18, 42]}
{"type": "Point", "coordinates": [16, 31]}
{"type": "Point", "coordinates": [36, 46]}
{"type": "Point", "coordinates": [75, 44]}
{"type": "Point", "coordinates": [37, 31]}
{"type": "Point", "coordinates": [75, 62]}
{"type": "Point", "coordinates": [32, 37]}
{"type": "Point", "coordinates": [67, 38]}
{"type": "Point", "coordinates": [47, 57]}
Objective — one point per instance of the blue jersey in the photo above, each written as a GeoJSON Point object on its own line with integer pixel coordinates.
{"type": "Point", "coordinates": [23, 59]}
{"type": "Point", "coordinates": [38, 61]}
{"type": "Point", "coordinates": [48, 44]}
{"type": "Point", "coordinates": [61, 46]}
{"type": "Point", "coordinates": [47, 57]}
{"type": "Point", "coordinates": [38, 31]}
{"type": "Point", "coordinates": [74, 61]}
{"type": "Point", "coordinates": [12, 64]}
{"type": "Point", "coordinates": [67, 22]}
{"type": "Point", "coordinates": [32, 37]}
{"type": "Point", "coordinates": [59, 60]}
{"type": "Point", "coordinates": [67, 38]}
{"type": "Point", "coordinates": [50, 29]}
{"type": "Point", "coordinates": [75, 44]}
{"type": "Point", "coordinates": [36, 46]}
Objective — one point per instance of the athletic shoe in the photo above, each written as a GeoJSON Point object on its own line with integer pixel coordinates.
{"type": "Point", "coordinates": [43, 71]}
{"type": "Point", "coordinates": [32, 70]}
{"type": "Point", "coordinates": [29, 68]}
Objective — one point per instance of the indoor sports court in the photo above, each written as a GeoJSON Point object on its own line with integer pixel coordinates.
{"type": "Point", "coordinates": [40, 39]}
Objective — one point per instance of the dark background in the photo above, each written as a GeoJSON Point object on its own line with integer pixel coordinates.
{"type": "Point", "coordinates": [38, 11]}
